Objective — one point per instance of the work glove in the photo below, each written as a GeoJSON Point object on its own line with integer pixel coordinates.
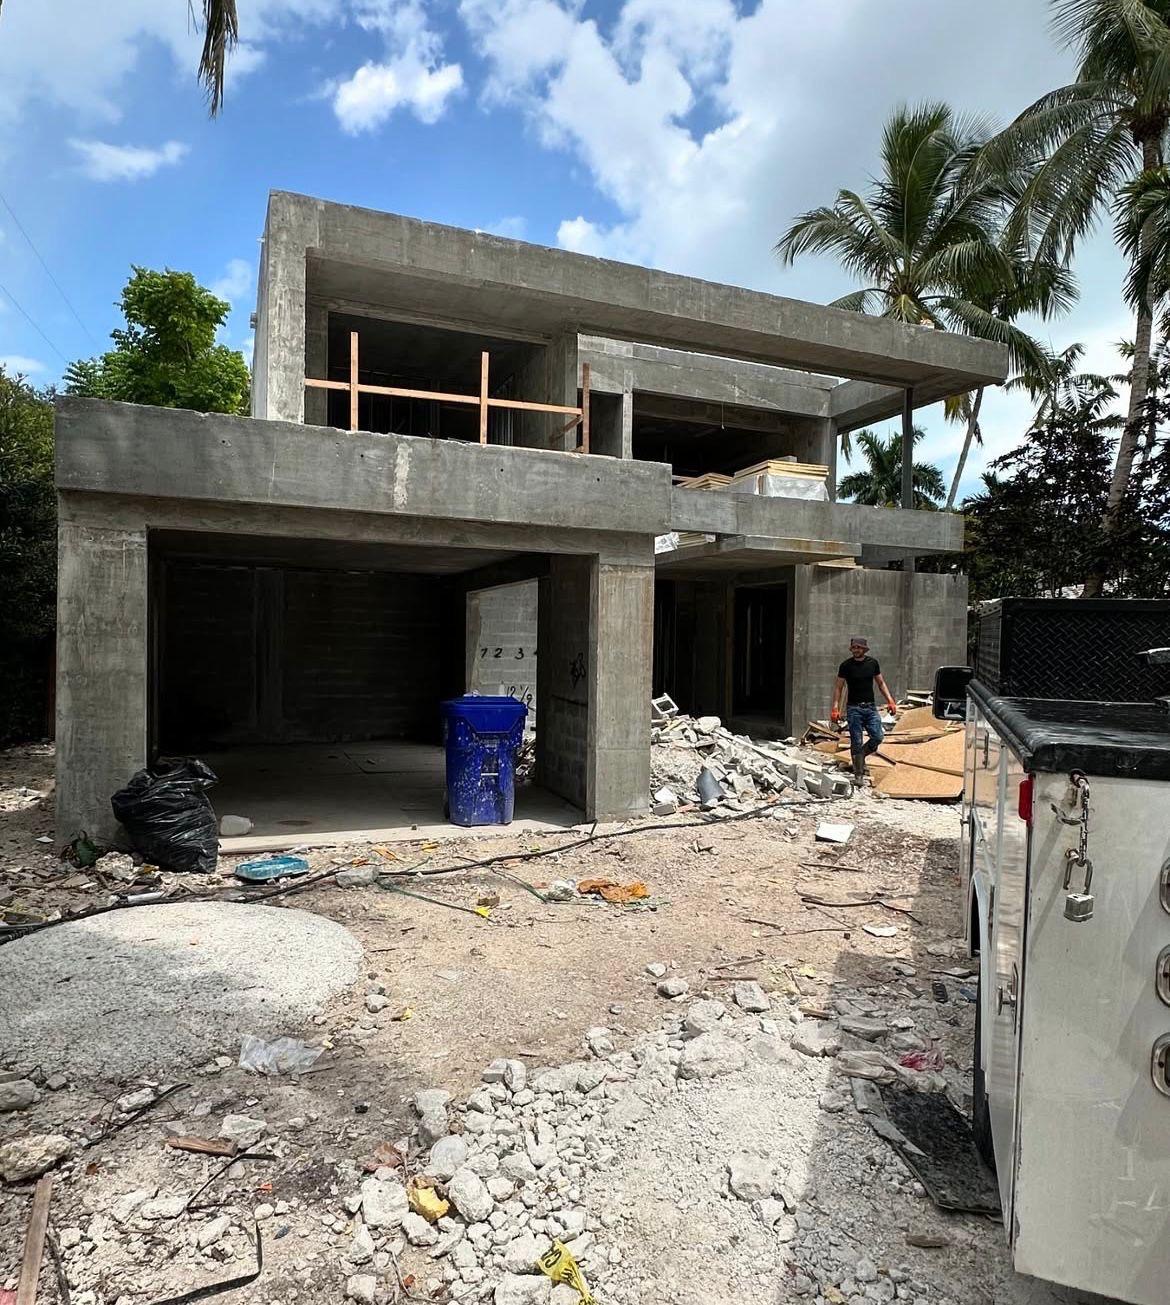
{"type": "Point", "coordinates": [835, 715]}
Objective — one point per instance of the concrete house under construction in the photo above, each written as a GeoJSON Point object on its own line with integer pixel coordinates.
{"type": "Point", "coordinates": [474, 463]}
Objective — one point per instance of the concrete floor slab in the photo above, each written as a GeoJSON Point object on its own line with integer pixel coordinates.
{"type": "Point", "coordinates": [324, 794]}
{"type": "Point", "coordinates": [159, 989]}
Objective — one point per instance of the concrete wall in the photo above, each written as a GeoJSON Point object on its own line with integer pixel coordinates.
{"type": "Point", "coordinates": [915, 622]}
{"type": "Point", "coordinates": [502, 642]}
{"type": "Point", "coordinates": [264, 654]}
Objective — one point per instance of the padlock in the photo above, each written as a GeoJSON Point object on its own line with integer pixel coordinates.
{"type": "Point", "coordinates": [1078, 907]}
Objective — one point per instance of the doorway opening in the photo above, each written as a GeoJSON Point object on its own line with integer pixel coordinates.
{"type": "Point", "coordinates": [760, 651]}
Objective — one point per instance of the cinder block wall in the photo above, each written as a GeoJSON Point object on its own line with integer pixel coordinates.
{"type": "Point", "coordinates": [255, 654]}
{"type": "Point", "coordinates": [502, 642]}
{"type": "Point", "coordinates": [914, 623]}
{"type": "Point", "coordinates": [562, 726]}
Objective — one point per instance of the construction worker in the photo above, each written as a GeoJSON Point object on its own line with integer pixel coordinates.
{"type": "Point", "coordinates": [858, 674]}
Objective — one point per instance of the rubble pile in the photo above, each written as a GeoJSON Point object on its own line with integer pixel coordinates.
{"type": "Point", "coordinates": [561, 1154]}
{"type": "Point", "coordinates": [744, 772]}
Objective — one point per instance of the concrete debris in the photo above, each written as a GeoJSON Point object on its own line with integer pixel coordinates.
{"type": "Point", "coordinates": [656, 969]}
{"type": "Point", "coordinates": [212, 1231]}
{"type": "Point", "coordinates": [467, 1193]}
{"type": "Point", "coordinates": [751, 1177]}
{"type": "Point", "coordinates": [703, 1017]}
{"type": "Point", "coordinates": [447, 1156]}
{"type": "Point", "coordinates": [749, 996]}
{"type": "Point", "coordinates": [29, 1157]}
{"type": "Point", "coordinates": [384, 1202]}
{"type": "Point", "coordinates": [514, 1289]}
{"type": "Point", "coordinates": [362, 1287]}
{"type": "Point", "coordinates": [673, 987]}
{"type": "Point", "coordinates": [429, 1099]}
{"type": "Point", "coordinates": [698, 760]}
{"type": "Point", "coordinates": [17, 1094]}
{"type": "Point", "coordinates": [234, 826]}
{"type": "Point", "coordinates": [833, 833]}
{"type": "Point", "coordinates": [243, 1130]}
{"type": "Point", "coordinates": [709, 1055]}
{"type": "Point", "coordinates": [361, 1249]}
{"type": "Point", "coordinates": [357, 877]}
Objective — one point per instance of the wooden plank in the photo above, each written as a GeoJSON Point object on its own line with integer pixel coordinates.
{"type": "Point", "coordinates": [353, 380]}
{"type": "Point", "coordinates": [34, 1243]}
{"type": "Point", "coordinates": [436, 396]}
{"type": "Point", "coordinates": [202, 1145]}
{"type": "Point", "coordinates": [905, 781]}
{"type": "Point", "coordinates": [584, 446]}
{"type": "Point", "coordinates": [483, 397]}
{"type": "Point", "coordinates": [523, 406]}
{"type": "Point", "coordinates": [326, 385]}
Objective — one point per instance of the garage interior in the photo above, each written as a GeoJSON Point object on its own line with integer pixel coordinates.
{"type": "Point", "coordinates": [308, 674]}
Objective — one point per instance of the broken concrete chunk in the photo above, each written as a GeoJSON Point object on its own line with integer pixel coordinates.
{"type": "Point", "coordinates": [432, 1127]}
{"type": "Point", "coordinates": [212, 1231]}
{"type": "Point", "coordinates": [656, 969]}
{"type": "Point", "coordinates": [599, 1041]}
{"type": "Point", "coordinates": [29, 1157]}
{"type": "Point", "coordinates": [376, 1002]}
{"type": "Point", "coordinates": [751, 1177]}
{"type": "Point", "coordinates": [515, 1075]}
{"type": "Point", "coordinates": [362, 1287]}
{"type": "Point", "coordinates": [243, 1130]}
{"type": "Point", "coordinates": [495, 1072]}
{"type": "Point", "coordinates": [521, 1254]}
{"type": "Point", "coordinates": [418, 1231]}
{"type": "Point", "coordinates": [17, 1094]}
{"type": "Point", "coordinates": [234, 826]}
{"type": "Point", "coordinates": [384, 1202]}
{"type": "Point", "coordinates": [429, 1099]}
{"type": "Point", "coordinates": [860, 1026]}
{"type": "Point", "coordinates": [833, 833]}
{"type": "Point", "coordinates": [527, 1289]}
{"type": "Point", "coordinates": [673, 987]}
{"type": "Point", "coordinates": [710, 1055]}
{"type": "Point", "coordinates": [467, 1193]}
{"type": "Point", "coordinates": [361, 1249]}
{"type": "Point", "coordinates": [816, 1040]}
{"type": "Point", "coordinates": [356, 877]}
{"type": "Point", "coordinates": [703, 1017]}
{"type": "Point", "coordinates": [865, 1064]}
{"type": "Point", "coordinates": [751, 997]}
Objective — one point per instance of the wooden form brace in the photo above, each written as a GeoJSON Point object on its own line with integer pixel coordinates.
{"type": "Point", "coordinates": [483, 401]}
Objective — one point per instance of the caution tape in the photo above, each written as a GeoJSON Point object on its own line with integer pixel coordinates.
{"type": "Point", "coordinates": [559, 1265]}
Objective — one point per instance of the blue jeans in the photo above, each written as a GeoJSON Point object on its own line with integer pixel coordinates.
{"type": "Point", "coordinates": [864, 717]}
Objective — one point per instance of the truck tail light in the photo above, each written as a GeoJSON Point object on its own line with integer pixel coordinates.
{"type": "Point", "coordinates": [1025, 799]}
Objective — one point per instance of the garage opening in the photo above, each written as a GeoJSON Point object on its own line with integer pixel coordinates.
{"type": "Point", "coordinates": [760, 652]}
{"type": "Point", "coordinates": [309, 673]}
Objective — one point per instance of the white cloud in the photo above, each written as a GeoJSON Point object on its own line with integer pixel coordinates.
{"type": "Point", "coordinates": [235, 282]}
{"type": "Point", "coordinates": [16, 364]}
{"type": "Point", "coordinates": [708, 125]}
{"type": "Point", "coordinates": [371, 95]}
{"type": "Point", "coordinates": [101, 161]}
{"type": "Point", "coordinates": [412, 77]}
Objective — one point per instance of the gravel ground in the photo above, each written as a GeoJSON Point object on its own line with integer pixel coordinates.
{"type": "Point", "coordinates": [200, 976]}
{"type": "Point", "coordinates": [728, 902]}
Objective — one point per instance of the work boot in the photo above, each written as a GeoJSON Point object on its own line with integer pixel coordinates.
{"type": "Point", "coordinates": [859, 766]}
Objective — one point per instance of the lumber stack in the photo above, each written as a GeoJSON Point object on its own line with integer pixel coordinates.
{"type": "Point", "coordinates": [920, 757]}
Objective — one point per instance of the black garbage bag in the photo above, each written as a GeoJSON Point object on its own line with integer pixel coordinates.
{"type": "Point", "coordinates": [168, 815]}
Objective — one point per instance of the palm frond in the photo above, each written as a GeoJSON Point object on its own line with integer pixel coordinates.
{"type": "Point", "coordinates": [221, 32]}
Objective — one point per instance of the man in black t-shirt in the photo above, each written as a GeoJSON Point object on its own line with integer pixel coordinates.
{"type": "Point", "coordinates": [856, 676]}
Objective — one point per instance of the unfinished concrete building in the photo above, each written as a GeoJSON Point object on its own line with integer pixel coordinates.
{"type": "Point", "coordinates": [478, 464]}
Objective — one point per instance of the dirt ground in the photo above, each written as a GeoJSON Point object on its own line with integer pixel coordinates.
{"type": "Point", "coordinates": [725, 904]}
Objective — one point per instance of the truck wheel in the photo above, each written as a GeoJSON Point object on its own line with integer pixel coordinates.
{"type": "Point", "coordinates": [980, 1107]}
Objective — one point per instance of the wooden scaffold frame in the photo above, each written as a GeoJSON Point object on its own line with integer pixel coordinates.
{"type": "Point", "coordinates": [483, 400]}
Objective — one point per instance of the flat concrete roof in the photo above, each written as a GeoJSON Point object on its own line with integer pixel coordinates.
{"type": "Point", "coordinates": [358, 256]}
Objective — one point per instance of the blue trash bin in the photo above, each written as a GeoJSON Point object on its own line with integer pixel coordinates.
{"type": "Point", "coordinates": [481, 736]}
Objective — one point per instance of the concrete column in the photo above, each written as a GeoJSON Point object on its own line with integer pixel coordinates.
{"type": "Point", "coordinates": [611, 424]}
{"type": "Point", "coordinates": [563, 664]}
{"type": "Point", "coordinates": [316, 363]}
{"type": "Point", "coordinates": [101, 672]}
{"type": "Point", "coordinates": [621, 635]}
{"type": "Point", "coordinates": [831, 459]}
{"type": "Point", "coordinates": [292, 229]}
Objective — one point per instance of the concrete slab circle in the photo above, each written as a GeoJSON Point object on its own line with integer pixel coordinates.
{"type": "Point", "coordinates": [158, 989]}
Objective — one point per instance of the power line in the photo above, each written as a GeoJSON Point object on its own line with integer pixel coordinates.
{"type": "Point", "coordinates": [4, 290]}
{"type": "Point", "coordinates": [56, 283]}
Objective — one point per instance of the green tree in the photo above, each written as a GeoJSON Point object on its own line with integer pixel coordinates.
{"type": "Point", "coordinates": [1059, 385]}
{"type": "Point", "coordinates": [28, 555]}
{"type": "Point", "coordinates": [879, 484]}
{"type": "Point", "coordinates": [1073, 154]}
{"type": "Point", "coordinates": [166, 355]}
{"type": "Point", "coordinates": [927, 245]}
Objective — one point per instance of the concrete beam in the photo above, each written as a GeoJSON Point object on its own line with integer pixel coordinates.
{"type": "Point", "coordinates": [623, 365]}
{"type": "Point", "coordinates": [172, 454]}
{"type": "Point", "coordinates": [905, 534]}
{"type": "Point", "coordinates": [364, 255]}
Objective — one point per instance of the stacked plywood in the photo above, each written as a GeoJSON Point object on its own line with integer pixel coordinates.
{"type": "Point", "coordinates": [708, 480]}
{"type": "Point", "coordinates": [782, 467]}
{"type": "Point", "coordinates": [920, 757]}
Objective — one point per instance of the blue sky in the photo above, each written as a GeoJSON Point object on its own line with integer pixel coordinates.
{"type": "Point", "coordinates": [683, 134]}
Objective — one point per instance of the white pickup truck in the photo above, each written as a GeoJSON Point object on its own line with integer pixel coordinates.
{"type": "Point", "coordinates": [1066, 871]}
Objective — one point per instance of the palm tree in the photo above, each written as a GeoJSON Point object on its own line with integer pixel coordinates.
{"type": "Point", "coordinates": [1074, 152]}
{"type": "Point", "coordinates": [221, 31]}
{"type": "Point", "coordinates": [925, 242]}
{"type": "Point", "coordinates": [1060, 386]}
{"type": "Point", "coordinates": [880, 483]}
